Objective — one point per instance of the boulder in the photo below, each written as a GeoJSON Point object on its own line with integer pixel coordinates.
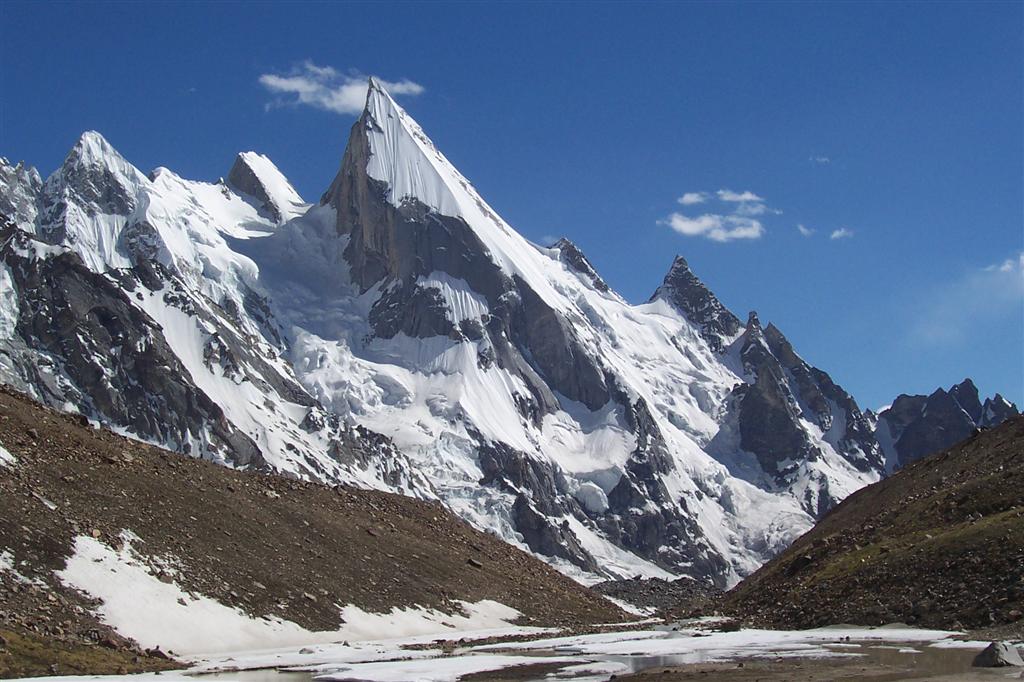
{"type": "Point", "coordinates": [998, 655]}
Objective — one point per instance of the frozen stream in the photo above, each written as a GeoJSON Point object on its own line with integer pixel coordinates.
{"type": "Point", "coordinates": [929, 653]}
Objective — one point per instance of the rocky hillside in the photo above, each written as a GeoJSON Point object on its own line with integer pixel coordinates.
{"type": "Point", "coordinates": [915, 426]}
{"type": "Point", "coordinates": [266, 545]}
{"type": "Point", "coordinates": [938, 544]}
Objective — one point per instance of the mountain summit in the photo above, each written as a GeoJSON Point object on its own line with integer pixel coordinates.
{"type": "Point", "coordinates": [400, 335]}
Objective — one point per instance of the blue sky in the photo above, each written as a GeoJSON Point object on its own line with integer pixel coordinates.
{"type": "Point", "coordinates": [896, 128]}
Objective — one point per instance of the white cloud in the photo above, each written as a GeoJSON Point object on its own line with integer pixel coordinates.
{"type": "Point", "coordinates": [952, 314]}
{"type": "Point", "coordinates": [324, 87]}
{"type": "Point", "coordinates": [748, 203]}
{"type": "Point", "coordinates": [548, 239]}
{"type": "Point", "coordinates": [719, 228]}
{"type": "Point", "coordinates": [804, 230]}
{"type": "Point", "coordinates": [691, 198]}
{"type": "Point", "coordinates": [1008, 265]}
{"type": "Point", "coordinates": [755, 208]}
{"type": "Point", "coordinates": [736, 221]}
{"type": "Point", "coordinates": [841, 233]}
{"type": "Point", "coordinates": [820, 160]}
{"type": "Point", "coordinates": [729, 195]}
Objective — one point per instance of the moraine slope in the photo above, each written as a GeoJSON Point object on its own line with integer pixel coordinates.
{"type": "Point", "coordinates": [262, 545]}
{"type": "Point", "coordinates": [938, 544]}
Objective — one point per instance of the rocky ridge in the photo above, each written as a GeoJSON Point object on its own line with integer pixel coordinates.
{"type": "Point", "coordinates": [915, 426]}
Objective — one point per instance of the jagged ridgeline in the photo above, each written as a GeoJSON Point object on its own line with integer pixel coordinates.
{"type": "Point", "coordinates": [399, 335]}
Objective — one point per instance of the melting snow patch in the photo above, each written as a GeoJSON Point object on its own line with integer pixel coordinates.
{"type": "Point", "coordinates": [631, 608]}
{"type": "Point", "coordinates": [155, 613]}
{"type": "Point", "coordinates": [6, 458]}
{"type": "Point", "coordinates": [8, 565]}
{"type": "Point", "coordinates": [485, 614]}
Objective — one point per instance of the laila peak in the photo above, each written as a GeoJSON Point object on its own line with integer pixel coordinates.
{"type": "Point", "coordinates": [400, 335]}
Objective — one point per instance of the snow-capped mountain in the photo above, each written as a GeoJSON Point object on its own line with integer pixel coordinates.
{"type": "Point", "coordinates": [915, 426]}
{"type": "Point", "coordinates": [400, 335]}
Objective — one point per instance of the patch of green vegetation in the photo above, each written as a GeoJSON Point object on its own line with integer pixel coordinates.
{"type": "Point", "coordinates": [1005, 523]}
{"type": "Point", "coordinates": [30, 655]}
{"type": "Point", "coordinates": [946, 540]}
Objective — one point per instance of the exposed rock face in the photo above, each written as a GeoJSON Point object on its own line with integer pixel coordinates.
{"type": "Point", "coordinates": [101, 353]}
{"type": "Point", "coordinates": [684, 290]}
{"type": "Point", "coordinates": [682, 598]}
{"type": "Point", "coordinates": [915, 426]}
{"type": "Point", "coordinates": [21, 187]}
{"type": "Point", "coordinates": [776, 412]}
{"type": "Point", "coordinates": [254, 175]}
{"type": "Point", "coordinates": [827, 405]}
{"type": "Point", "coordinates": [570, 254]}
{"type": "Point", "coordinates": [395, 246]}
{"type": "Point", "coordinates": [996, 410]}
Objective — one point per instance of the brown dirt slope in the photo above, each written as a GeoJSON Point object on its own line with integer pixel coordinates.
{"type": "Point", "coordinates": [938, 544]}
{"type": "Point", "coordinates": [267, 544]}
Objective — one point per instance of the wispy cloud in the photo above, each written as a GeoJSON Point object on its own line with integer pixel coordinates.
{"type": "Point", "coordinates": [950, 315]}
{"type": "Point", "coordinates": [324, 87]}
{"type": "Point", "coordinates": [1008, 265]}
{"type": "Point", "coordinates": [737, 218]}
{"type": "Point", "coordinates": [691, 198]}
{"type": "Point", "coordinates": [729, 195]}
{"type": "Point", "coordinates": [842, 233]}
{"type": "Point", "coordinates": [820, 160]}
{"type": "Point", "coordinates": [718, 228]}
{"type": "Point", "coordinates": [804, 230]}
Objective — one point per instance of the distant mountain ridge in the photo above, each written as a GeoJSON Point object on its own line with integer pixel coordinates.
{"type": "Point", "coordinates": [915, 426]}
{"type": "Point", "coordinates": [400, 335]}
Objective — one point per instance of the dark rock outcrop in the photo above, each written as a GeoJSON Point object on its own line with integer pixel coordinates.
{"type": "Point", "coordinates": [669, 599]}
{"type": "Point", "coordinates": [20, 190]}
{"type": "Point", "coordinates": [782, 392]}
{"type": "Point", "coordinates": [917, 426]}
{"type": "Point", "coordinates": [826, 404]}
{"type": "Point", "coordinates": [244, 179]}
{"type": "Point", "coordinates": [103, 354]}
{"type": "Point", "coordinates": [996, 410]}
{"type": "Point", "coordinates": [686, 292]}
{"type": "Point", "coordinates": [571, 255]}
